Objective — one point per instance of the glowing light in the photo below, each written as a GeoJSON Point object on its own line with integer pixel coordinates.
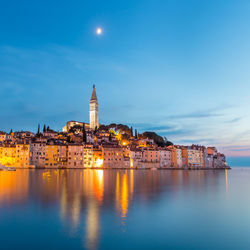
{"type": "Point", "coordinates": [99, 162]}
{"type": "Point", "coordinates": [99, 31]}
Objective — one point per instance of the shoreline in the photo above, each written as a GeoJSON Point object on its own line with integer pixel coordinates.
{"type": "Point", "coordinates": [117, 168]}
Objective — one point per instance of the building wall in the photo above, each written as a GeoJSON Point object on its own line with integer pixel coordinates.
{"type": "Point", "coordinates": [88, 156]}
{"type": "Point", "coordinates": [37, 156]}
{"type": "Point", "coordinates": [22, 155]}
{"type": "Point", "coordinates": [75, 156]}
{"type": "Point", "coordinates": [112, 156]}
{"type": "Point", "coordinates": [150, 155]}
{"type": "Point", "coordinates": [17, 155]}
{"type": "Point", "coordinates": [165, 157]}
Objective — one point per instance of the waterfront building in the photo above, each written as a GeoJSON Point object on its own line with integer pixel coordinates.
{"type": "Point", "coordinates": [75, 156]}
{"type": "Point", "coordinates": [219, 160]}
{"type": "Point", "coordinates": [97, 157]}
{"type": "Point", "coordinates": [88, 156]}
{"type": "Point", "coordinates": [93, 110]}
{"type": "Point", "coordinates": [112, 156]}
{"type": "Point", "coordinates": [135, 156]}
{"type": "Point", "coordinates": [55, 155]}
{"type": "Point", "coordinates": [15, 155]}
{"type": "Point", "coordinates": [37, 156]}
{"type": "Point", "coordinates": [22, 155]}
{"type": "Point", "coordinates": [150, 155]}
{"type": "Point", "coordinates": [8, 154]}
{"type": "Point", "coordinates": [165, 157]}
{"type": "Point", "coordinates": [193, 156]}
{"type": "Point", "coordinates": [176, 156]}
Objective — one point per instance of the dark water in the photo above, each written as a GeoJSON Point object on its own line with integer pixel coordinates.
{"type": "Point", "coordinates": [96, 209]}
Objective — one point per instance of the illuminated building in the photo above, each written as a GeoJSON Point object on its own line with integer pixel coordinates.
{"type": "Point", "coordinates": [15, 155]}
{"type": "Point", "coordinates": [2, 136]}
{"type": "Point", "coordinates": [71, 124]}
{"type": "Point", "coordinates": [93, 110]}
{"type": "Point", "coordinates": [88, 155]}
{"type": "Point", "coordinates": [75, 156]}
{"type": "Point", "coordinates": [55, 155]}
{"type": "Point", "coordinates": [37, 156]}
{"type": "Point", "coordinates": [97, 157]}
{"type": "Point", "coordinates": [22, 155]}
{"type": "Point", "coordinates": [112, 156]}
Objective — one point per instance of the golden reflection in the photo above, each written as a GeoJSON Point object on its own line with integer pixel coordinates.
{"type": "Point", "coordinates": [124, 196]}
{"type": "Point", "coordinates": [63, 200]}
{"type": "Point", "coordinates": [131, 181]}
{"type": "Point", "coordinates": [117, 192]}
{"type": "Point", "coordinates": [76, 210]}
{"type": "Point", "coordinates": [92, 225]}
{"type": "Point", "coordinates": [13, 186]}
{"type": "Point", "coordinates": [80, 193]}
{"type": "Point", "coordinates": [124, 192]}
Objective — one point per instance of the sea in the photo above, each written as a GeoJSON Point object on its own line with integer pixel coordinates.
{"type": "Point", "coordinates": [125, 209]}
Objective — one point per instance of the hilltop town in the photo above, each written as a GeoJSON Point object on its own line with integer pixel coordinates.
{"type": "Point", "coordinates": [94, 145]}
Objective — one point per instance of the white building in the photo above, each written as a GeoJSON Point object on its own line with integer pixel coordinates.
{"type": "Point", "coordinates": [93, 110]}
{"type": "Point", "coordinates": [165, 157]}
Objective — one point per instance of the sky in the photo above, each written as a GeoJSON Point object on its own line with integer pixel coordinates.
{"type": "Point", "coordinates": [179, 68]}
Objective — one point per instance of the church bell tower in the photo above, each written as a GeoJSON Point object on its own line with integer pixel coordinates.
{"type": "Point", "coordinates": [93, 110]}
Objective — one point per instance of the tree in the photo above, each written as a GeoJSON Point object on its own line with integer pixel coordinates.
{"type": "Point", "coordinates": [95, 131]}
{"type": "Point", "coordinates": [136, 134]}
{"type": "Point", "coordinates": [76, 129]}
{"type": "Point", "coordinates": [44, 128]}
{"type": "Point", "coordinates": [47, 128]}
{"type": "Point", "coordinates": [160, 141]}
{"type": "Point", "coordinates": [11, 131]}
{"type": "Point", "coordinates": [38, 129]}
{"type": "Point", "coordinates": [110, 137]}
{"type": "Point", "coordinates": [84, 135]}
{"type": "Point", "coordinates": [131, 131]}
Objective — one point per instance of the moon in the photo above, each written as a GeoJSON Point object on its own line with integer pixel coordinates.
{"type": "Point", "coordinates": [98, 31]}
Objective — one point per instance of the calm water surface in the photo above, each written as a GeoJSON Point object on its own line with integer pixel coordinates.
{"type": "Point", "coordinates": [109, 209]}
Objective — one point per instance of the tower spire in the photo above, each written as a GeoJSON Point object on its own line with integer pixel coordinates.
{"type": "Point", "coordinates": [93, 96]}
{"type": "Point", "coordinates": [93, 110]}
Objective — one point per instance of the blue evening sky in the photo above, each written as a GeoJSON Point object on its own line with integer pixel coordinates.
{"type": "Point", "coordinates": [177, 67]}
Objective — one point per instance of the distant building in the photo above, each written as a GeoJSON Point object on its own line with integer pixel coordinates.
{"type": "Point", "coordinates": [193, 156]}
{"type": "Point", "coordinates": [150, 155]}
{"type": "Point", "coordinates": [15, 155]}
{"type": "Point", "coordinates": [165, 157]}
{"type": "Point", "coordinates": [93, 110]}
{"type": "Point", "coordinates": [112, 156]}
{"type": "Point", "coordinates": [2, 136]}
{"type": "Point", "coordinates": [177, 160]}
{"type": "Point", "coordinates": [71, 124]}
{"type": "Point", "coordinates": [75, 156]}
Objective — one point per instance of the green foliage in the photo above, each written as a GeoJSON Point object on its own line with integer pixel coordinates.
{"type": "Point", "coordinates": [127, 132]}
{"type": "Point", "coordinates": [159, 140]}
{"type": "Point", "coordinates": [76, 129]}
{"type": "Point", "coordinates": [84, 135]}
{"type": "Point", "coordinates": [122, 129]}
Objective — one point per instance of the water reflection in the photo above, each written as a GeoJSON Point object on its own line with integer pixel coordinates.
{"type": "Point", "coordinates": [14, 187]}
{"type": "Point", "coordinates": [82, 196]}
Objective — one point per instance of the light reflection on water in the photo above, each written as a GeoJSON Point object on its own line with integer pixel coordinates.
{"type": "Point", "coordinates": [96, 209]}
